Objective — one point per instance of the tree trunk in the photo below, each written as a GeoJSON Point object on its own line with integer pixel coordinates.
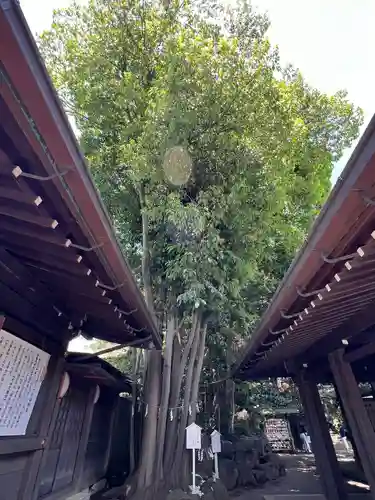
{"type": "Point", "coordinates": [163, 415]}
{"type": "Point", "coordinates": [197, 375]}
{"type": "Point", "coordinates": [152, 400]}
{"type": "Point", "coordinates": [186, 405]}
{"type": "Point", "coordinates": [152, 379]}
{"type": "Point", "coordinates": [179, 367]}
{"type": "Point", "coordinates": [136, 357]}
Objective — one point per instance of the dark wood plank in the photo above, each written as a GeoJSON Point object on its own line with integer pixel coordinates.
{"type": "Point", "coordinates": [360, 352]}
{"type": "Point", "coordinates": [356, 414]}
{"type": "Point", "coordinates": [16, 277]}
{"type": "Point", "coordinates": [325, 456]}
{"type": "Point", "coordinates": [114, 411]}
{"type": "Point", "coordinates": [35, 336]}
{"type": "Point", "coordinates": [12, 304]}
{"type": "Point", "coordinates": [352, 327]}
{"type": "Point", "coordinates": [27, 216]}
{"type": "Point", "coordinates": [20, 197]}
{"type": "Point", "coordinates": [80, 463]}
{"type": "Point", "coordinates": [20, 444]}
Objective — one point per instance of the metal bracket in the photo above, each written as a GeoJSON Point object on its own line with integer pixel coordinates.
{"type": "Point", "coordinates": [86, 249]}
{"type": "Point", "coordinates": [18, 172]}
{"type": "Point", "coordinates": [110, 288]}
{"type": "Point", "coordinates": [126, 313]}
{"type": "Point", "coordinates": [138, 330]}
{"type": "Point", "coordinates": [268, 344]}
{"type": "Point", "coordinates": [368, 200]}
{"type": "Point", "coordinates": [277, 332]}
{"type": "Point", "coordinates": [290, 316]}
{"type": "Point", "coordinates": [338, 259]}
{"type": "Point", "coordinates": [309, 294]}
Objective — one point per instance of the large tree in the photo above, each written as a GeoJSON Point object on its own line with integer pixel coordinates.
{"type": "Point", "coordinates": [212, 160]}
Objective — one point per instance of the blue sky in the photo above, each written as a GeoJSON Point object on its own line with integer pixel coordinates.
{"type": "Point", "coordinates": [330, 41]}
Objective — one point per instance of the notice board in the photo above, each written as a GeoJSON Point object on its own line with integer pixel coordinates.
{"type": "Point", "coordinates": [22, 371]}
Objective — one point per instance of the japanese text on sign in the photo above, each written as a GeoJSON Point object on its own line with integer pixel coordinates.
{"type": "Point", "coordinates": [193, 437]}
{"type": "Point", "coordinates": [22, 370]}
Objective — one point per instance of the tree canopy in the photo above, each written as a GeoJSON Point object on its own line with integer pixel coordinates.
{"type": "Point", "coordinates": [212, 159]}
{"type": "Point", "coordinates": [150, 84]}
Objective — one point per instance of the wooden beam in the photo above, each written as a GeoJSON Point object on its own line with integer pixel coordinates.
{"type": "Point", "coordinates": [36, 234]}
{"type": "Point", "coordinates": [53, 265]}
{"type": "Point", "coordinates": [17, 307]}
{"type": "Point", "coordinates": [18, 243]}
{"type": "Point", "coordinates": [325, 456]}
{"type": "Point", "coordinates": [28, 216]}
{"type": "Point", "coordinates": [356, 414]}
{"type": "Point", "coordinates": [86, 428]}
{"type": "Point", "coordinates": [19, 196]}
{"type": "Point", "coordinates": [360, 352]}
{"type": "Point", "coordinates": [332, 341]}
{"type": "Point", "coordinates": [26, 285]}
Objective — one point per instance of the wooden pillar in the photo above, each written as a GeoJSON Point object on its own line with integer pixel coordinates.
{"type": "Point", "coordinates": [356, 414]}
{"type": "Point", "coordinates": [325, 456]}
{"type": "Point", "coordinates": [348, 428]}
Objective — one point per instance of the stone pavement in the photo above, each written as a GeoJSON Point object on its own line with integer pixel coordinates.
{"type": "Point", "coordinates": [300, 478]}
{"type": "Point", "coordinates": [300, 483]}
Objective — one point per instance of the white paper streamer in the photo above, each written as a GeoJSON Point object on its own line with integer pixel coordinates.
{"type": "Point", "coordinates": [146, 412]}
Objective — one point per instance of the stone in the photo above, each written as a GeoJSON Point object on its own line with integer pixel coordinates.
{"type": "Point", "coordinates": [228, 473]}
{"type": "Point", "coordinates": [227, 449]}
{"type": "Point", "coordinates": [271, 470]}
{"type": "Point", "coordinates": [260, 476]}
{"type": "Point", "coordinates": [179, 495]}
{"type": "Point", "coordinates": [274, 458]}
{"type": "Point", "coordinates": [207, 486]}
{"type": "Point", "coordinates": [220, 491]}
{"type": "Point", "coordinates": [245, 475]}
{"type": "Point", "coordinates": [205, 468]}
{"type": "Point", "coordinates": [282, 470]}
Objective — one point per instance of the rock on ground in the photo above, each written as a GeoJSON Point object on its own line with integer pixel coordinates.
{"type": "Point", "coordinates": [228, 473]}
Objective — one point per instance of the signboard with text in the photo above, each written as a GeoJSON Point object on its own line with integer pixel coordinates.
{"type": "Point", "coordinates": [193, 437]}
{"type": "Point", "coordinates": [22, 371]}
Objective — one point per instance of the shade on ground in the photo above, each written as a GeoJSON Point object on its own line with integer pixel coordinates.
{"type": "Point", "coordinates": [300, 483]}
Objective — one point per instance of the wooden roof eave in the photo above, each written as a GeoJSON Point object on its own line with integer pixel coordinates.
{"type": "Point", "coordinates": [338, 214]}
{"type": "Point", "coordinates": [24, 66]}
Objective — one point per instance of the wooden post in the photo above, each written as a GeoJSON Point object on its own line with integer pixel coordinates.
{"type": "Point", "coordinates": [356, 414]}
{"type": "Point", "coordinates": [322, 446]}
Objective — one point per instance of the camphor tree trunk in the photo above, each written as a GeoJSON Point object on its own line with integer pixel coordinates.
{"type": "Point", "coordinates": [171, 389]}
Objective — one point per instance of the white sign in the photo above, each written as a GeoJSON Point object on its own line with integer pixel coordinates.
{"type": "Point", "coordinates": [216, 442]}
{"type": "Point", "coordinates": [22, 371]}
{"type": "Point", "coordinates": [193, 437]}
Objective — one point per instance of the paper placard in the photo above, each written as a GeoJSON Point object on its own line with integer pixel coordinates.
{"type": "Point", "coordinates": [193, 437]}
{"type": "Point", "coordinates": [22, 371]}
{"type": "Point", "coordinates": [216, 442]}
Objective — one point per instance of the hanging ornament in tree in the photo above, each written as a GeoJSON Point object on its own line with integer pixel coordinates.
{"type": "Point", "coordinates": [197, 406]}
{"type": "Point", "coordinates": [177, 165]}
{"type": "Point", "coordinates": [171, 415]}
{"type": "Point", "coordinates": [189, 409]}
{"type": "Point", "coordinates": [146, 412]}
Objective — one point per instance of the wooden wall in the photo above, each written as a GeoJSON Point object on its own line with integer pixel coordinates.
{"type": "Point", "coordinates": [20, 456]}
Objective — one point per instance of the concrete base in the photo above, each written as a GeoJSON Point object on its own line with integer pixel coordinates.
{"type": "Point", "coordinates": [298, 496]}
{"type": "Point", "coordinates": [82, 495]}
{"type": "Point", "coordinates": [294, 496]}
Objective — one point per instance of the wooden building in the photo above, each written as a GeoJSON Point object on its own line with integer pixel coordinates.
{"type": "Point", "coordinates": [61, 273]}
{"type": "Point", "coordinates": [320, 324]}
